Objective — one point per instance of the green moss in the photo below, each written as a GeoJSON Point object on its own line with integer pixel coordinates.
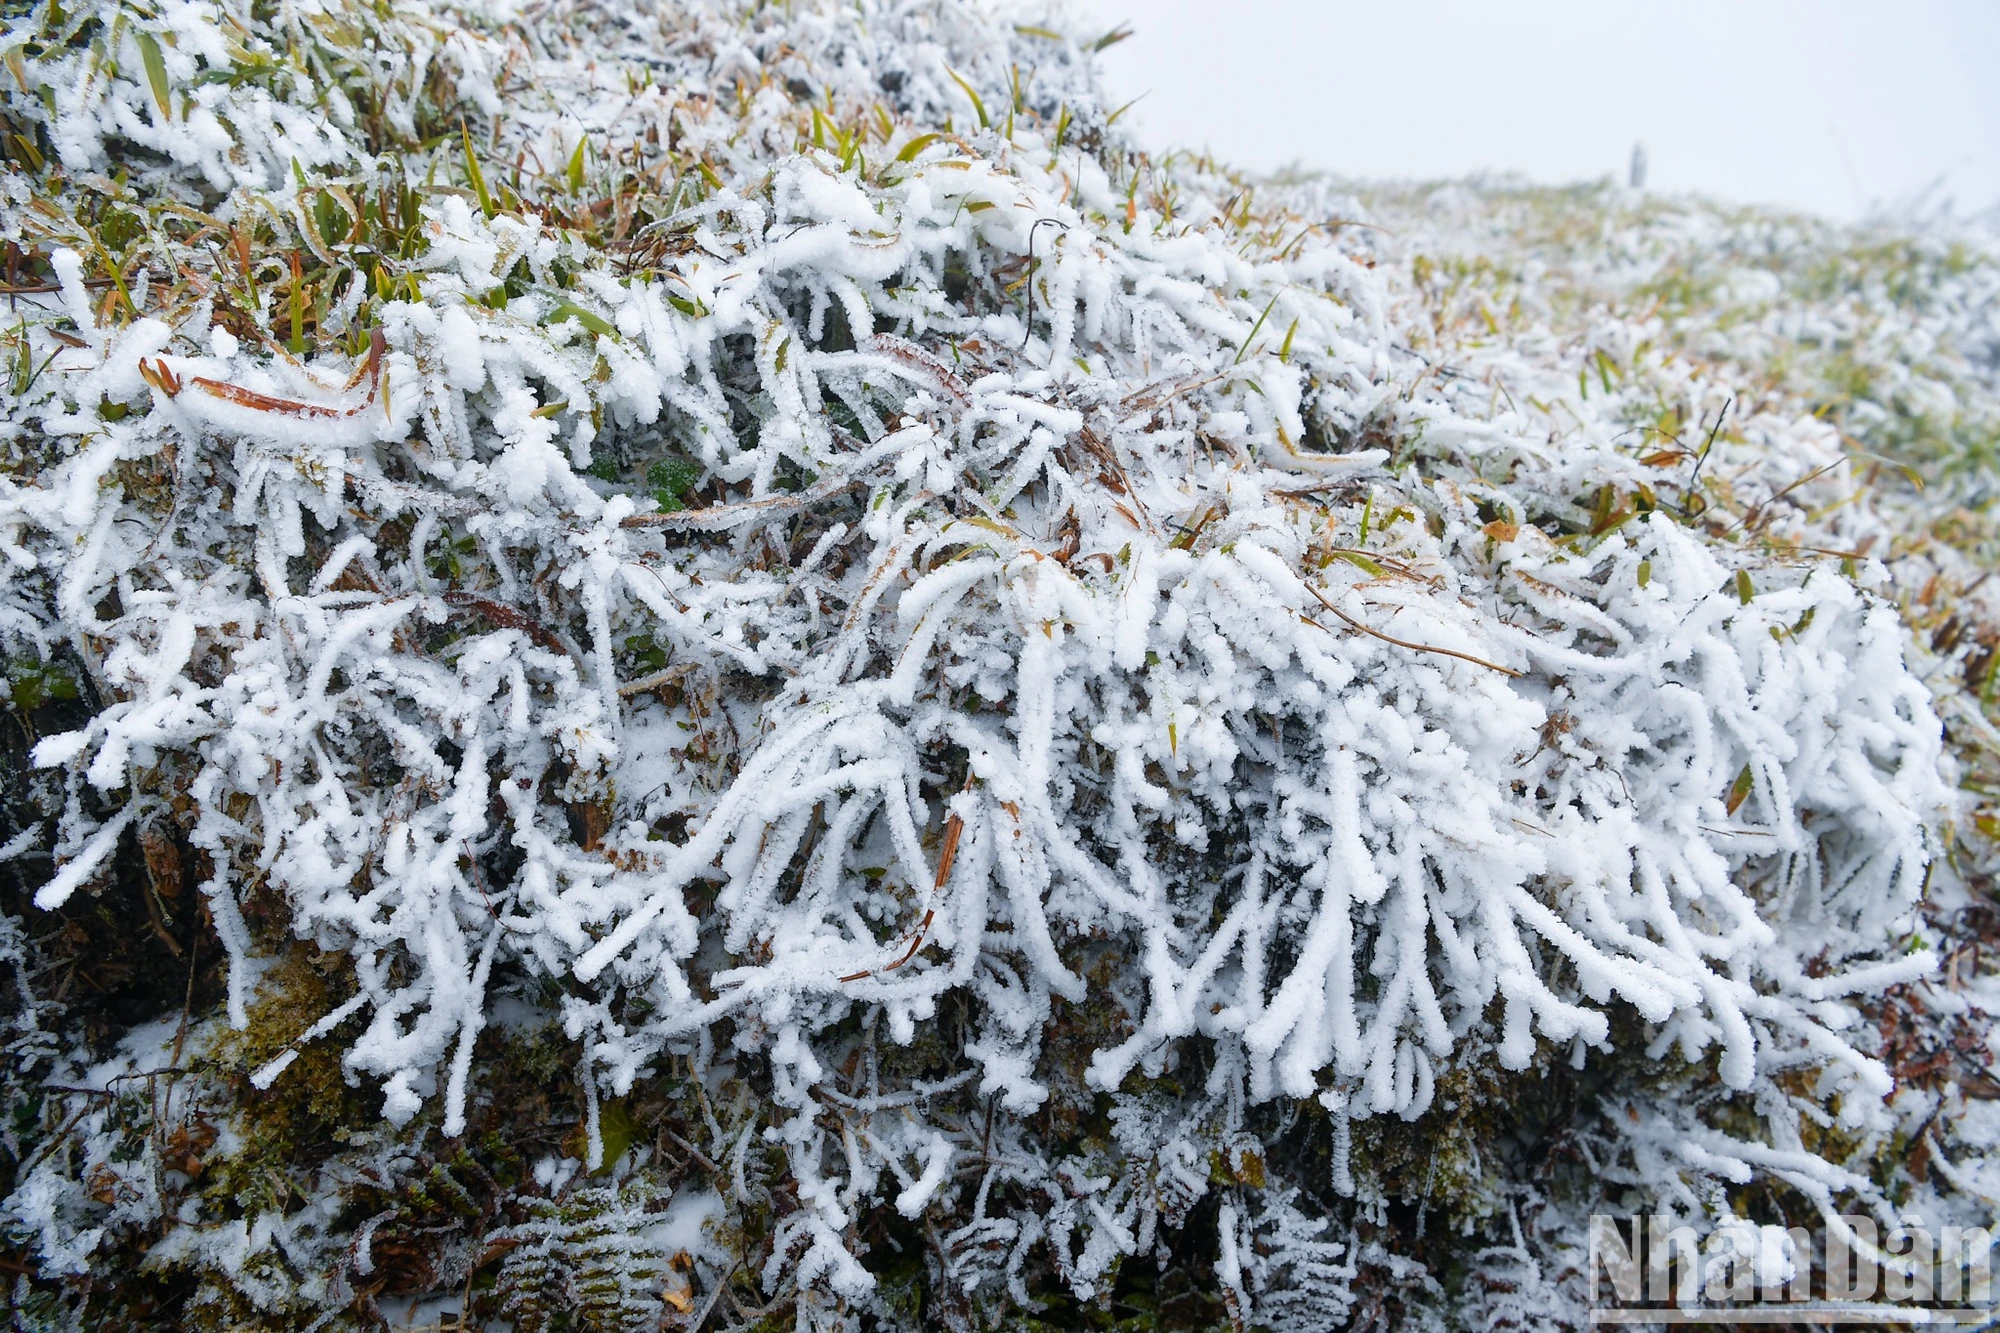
{"type": "Point", "coordinates": [309, 1109]}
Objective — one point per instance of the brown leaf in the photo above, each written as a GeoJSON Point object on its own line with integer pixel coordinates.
{"type": "Point", "coordinates": [163, 860]}
{"type": "Point", "coordinates": [678, 1292]}
{"type": "Point", "coordinates": [1739, 791]}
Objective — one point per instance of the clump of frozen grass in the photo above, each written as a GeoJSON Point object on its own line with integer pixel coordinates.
{"type": "Point", "coordinates": [777, 526]}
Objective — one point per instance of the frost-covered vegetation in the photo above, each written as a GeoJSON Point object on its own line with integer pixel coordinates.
{"type": "Point", "coordinates": [723, 664]}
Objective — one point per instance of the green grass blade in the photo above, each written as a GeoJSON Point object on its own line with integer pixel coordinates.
{"type": "Point", "coordinates": [916, 146]}
{"type": "Point", "coordinates": [1244, 350]}
{"type": "Point", "coordinates": [977, 104]}
{"type": "Point", "coordinates": [472, 172]}
{"type": "Point", "coordinates": [596, 323]}
{"type": "Point", "coordinates": [156, 72]}
{"type": "Point", "coordinates": [1112, 119]}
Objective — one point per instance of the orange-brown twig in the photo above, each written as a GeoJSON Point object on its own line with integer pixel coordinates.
{"type": "Point", "coordinates": [162, 377]}
{"type": "Point", "coordinates": [507, 617]}
{"type": "Point", "coordinates": [1404, 643]}
{"type": "Point", "coordinates": [917, 359]}
{"type": "Point", "coordinates": [947, 853]}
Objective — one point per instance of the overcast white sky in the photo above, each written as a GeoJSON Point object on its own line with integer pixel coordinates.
{"type": "Point", "coordinates": [1827, 105]}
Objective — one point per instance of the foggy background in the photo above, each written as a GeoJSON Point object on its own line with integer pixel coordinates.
{"type": "Point", "coordinates": [1831, 106]}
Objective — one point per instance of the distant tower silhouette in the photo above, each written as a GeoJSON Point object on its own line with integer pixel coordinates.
{"type": "Point", "coordinates": [1637, 177]}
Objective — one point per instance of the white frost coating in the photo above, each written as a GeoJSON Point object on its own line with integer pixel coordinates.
{"type": "Point", "coordinates": [937, 1157]}
{"type": "Point", "coordinates": [1095, 660]}
{"type": "Point", "coordinates": [268, 1074]}
{"type": "Point", "coordinates": [79, 867]}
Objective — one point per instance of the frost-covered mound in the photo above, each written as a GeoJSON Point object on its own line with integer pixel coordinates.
{"type": "Point", "coordinates": [731, 668]}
